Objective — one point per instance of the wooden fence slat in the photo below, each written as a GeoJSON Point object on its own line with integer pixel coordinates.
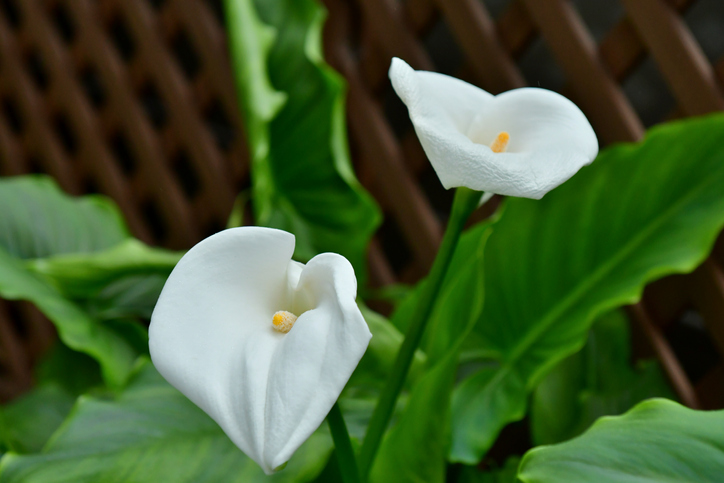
{"type": "Point", "coordinates": [515, 28]}
{"type": "Point", "coordinates": [679, 57]}
{"type": "Point", "coordinates": [17, 84]}
{"type": "Point", "coordinates": [152, 175]}
{"type": "Point", "coordinates": [210, 41]}
{"type": "Point", "coordinates": [597, 93]}
{"type": "Point", "coordinates": [406, 201]}
{"type": "Point", "coordinates": [93, 152]}
{"type": "Point", "coordinates": [672, 368]}
{"type": "Point", "coordinates": [178, 99]}
{"type": "Point", "coordinates": [384, 21]}
{"type": "Point", "coordinates": [169, 99]}
{"type": "Point", "coordinates": [475, 32]}
{"type": "Point", "coordinates": [10, 151]}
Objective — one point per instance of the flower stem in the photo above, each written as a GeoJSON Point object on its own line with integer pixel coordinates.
{"type": "Point", "coordinates": [465, 202]}
{"type": "Point", "coordinates": [343, 446]}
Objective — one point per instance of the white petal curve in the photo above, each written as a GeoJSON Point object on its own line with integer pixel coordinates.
{"type": "Point", "coordinates": [316, 358]}
{"type": "Point", "coordinates": [429, 95]}
{"type": "Point", "coordinates": [550, 138]}
{"type": "Point", "coordinates": [210, 334]}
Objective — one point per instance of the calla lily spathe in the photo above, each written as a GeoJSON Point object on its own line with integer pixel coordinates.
{"type": "Point", "coordinates": [544, 137]}
{"type": "Point", "coordinates": [212, 336]}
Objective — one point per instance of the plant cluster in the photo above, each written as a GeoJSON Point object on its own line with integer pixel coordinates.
{"type": "Point", "coordinates": [263, 363]}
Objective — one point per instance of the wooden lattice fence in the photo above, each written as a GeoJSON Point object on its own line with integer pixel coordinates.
{"type": "Point", "coordinates": [134, 99]}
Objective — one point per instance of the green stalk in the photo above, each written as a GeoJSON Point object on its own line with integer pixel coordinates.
{"type": "Point", "coordinates": [465, 202]}
{"type": "Point", "coordinates": [343, 446]}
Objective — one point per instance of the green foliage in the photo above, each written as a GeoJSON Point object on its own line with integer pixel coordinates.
{"type": "Point", "coordinates": [84, 275]}
{"type": "Point", "coordinates": [76, 328]}
{"type": "Point", "coordinates": [38, 220]}
{"type": "Point", "coordinates": [461, 296]}
{"type": "Point", "coordinates": [416, 446]}
{"type": "Point", "coordinates": [120, 282]}
{"type": "Point", "coordinates": [658, 440]}
{"type": "Point", "coordinates": [379, 358]}
{"type": "Point", "coordinates": [293, 105]}
{"type": "Point", "coordinates": [76, 373]}
{"type": "Point", "coordinates": [59, 252]}
{"type": "Point", "coordinates": [639, 212]}
{"type": "Point", "coordinates": [27, 423]}
{"type": "Point", "coordinates": [150, 432]}
{"type": "Point", "coordinates": [596, 381]}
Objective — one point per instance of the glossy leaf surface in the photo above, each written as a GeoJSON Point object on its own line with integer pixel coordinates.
{"type": "Point", "coordinates": [657, 441]}
{"type": "Point", "coordinates": [150, 433]}
{"type": "Point", "coordinates": [639, 212]}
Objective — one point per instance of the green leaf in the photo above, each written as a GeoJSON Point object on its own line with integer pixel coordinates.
{"type": "Point", "coordinates": [76, 328]}
{"type": "Point", "coordinates": [150, 433]}
{"type": "Point", "coordinates": [379, 358]}
{"type": "Point", "coordinates": [76, 373]}
{"type": "Point", "coordinates": [302, 177]}
{"type": "Point", "coordinates": [416, 447]}
{"type": "Point", "coordinates": [129, 296]}
{"type": "Point", "coordinates": [120, 282]}
{"type": "Point", "coordinates": [657, 441]}
{"type": "Point", "coordinates": [75, 260]}
{"type": "Point", "coordinates": [639, 212]}
{"type": "Point", "coordinates": [596, 381]}
{"type": "Point", "coordinates": [27, 423]}
{"type": "Point", "coordinates": [84, 275]}
{"type": "Point", "coordinates": [38, 220]}
{"type": "Point", "coordinates": [461, 295]}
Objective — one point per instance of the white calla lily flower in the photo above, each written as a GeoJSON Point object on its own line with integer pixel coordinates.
{"type": "Point", "coordinates": [523, 142]}
{"type": "Point", "coordinates": [261, 343]}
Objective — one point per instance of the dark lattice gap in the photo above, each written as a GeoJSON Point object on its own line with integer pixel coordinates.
{"type": "Point", "coordinates": [157, 3]}
{"type": "Point", "coordinates": [35, 166]}
{"type": "Point", "coordinates": [154, 220]}
{"type": "Point", "coordinates": [600, 16]}
{"type": "Point", "coordinates": [63, 22]}
{"type": "Point", "coordinates": [693, 345]}
{"type": "Point", "coordinates": [540, 68]}
{"type": "Point", "coordinates": [12, 14]}
{"type": "Point", "coordinates": [648, 93]}
{"type": "Point", "coordinates": [705, 18]}
{"type": "Point", "coordinates": [217, 8]}
{"type": "Point", "coordinates": [186, 54]}
{"type": "Point", "coordinates": [36, 68]}
{"type": "Point", "coordinates": [443, 49]}
{"type": "Point", "coordinates": [153, 105]}
{"type": "Point", "coordinates": [496, 7]}
{"type": "Point", "coordinates": [12, 115]}
{"type": "Point", "coordinates": [396, 250]}
{"type": "Point", "coordinates": [92, 86]}
{"type": "Point", "coordinates": [186, 174]}
{"type": "Point", "coordinates": [16, 318]}
{"type": "Point", "coordinates": [90, 185]}
{"type": "Point", "coordinates": [221, 128]}
{"type": "Point", "coordinates": [396, 113]}
{"type": "Point", "coordinates": [122, 39]}
{"type": "Point", "coordinates": [65, 133]}
{"type": "Point", "coordinates": [123, 154]}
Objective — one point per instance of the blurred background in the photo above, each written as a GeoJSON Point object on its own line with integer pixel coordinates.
{"type": "Point", "coordinates": [135, 99]}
